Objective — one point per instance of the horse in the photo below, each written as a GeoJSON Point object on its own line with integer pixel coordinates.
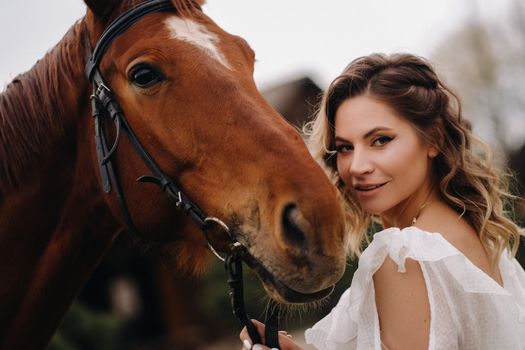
{"type": "Point", "coordinates": [186, 88]}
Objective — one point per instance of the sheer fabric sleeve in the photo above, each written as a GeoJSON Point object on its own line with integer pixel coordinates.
{"type": "Point", "coordinates": [461, 297]}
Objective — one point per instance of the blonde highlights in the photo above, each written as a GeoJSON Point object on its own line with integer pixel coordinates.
{"type": "Point", "coordinates": [466, 177]}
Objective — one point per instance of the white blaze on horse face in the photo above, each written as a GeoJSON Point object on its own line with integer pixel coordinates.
{"type": "Point", "coordinates": [196, 34]}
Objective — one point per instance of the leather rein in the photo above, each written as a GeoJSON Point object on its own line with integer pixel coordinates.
{"type": "Point", "coordinates": [104, 105]}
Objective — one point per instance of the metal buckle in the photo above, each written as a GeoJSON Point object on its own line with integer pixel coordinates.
{"type": "Point", "coordinates": [179, 200]}
{"type": "Point", "coordinates": [101, 87]}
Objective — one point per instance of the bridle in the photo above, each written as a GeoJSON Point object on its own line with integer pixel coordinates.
{"type": "Point", "coordinates": [104, 104]}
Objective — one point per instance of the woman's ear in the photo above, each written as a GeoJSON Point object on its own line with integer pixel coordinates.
{"type": "Point", "coordinates": [432, 152]}
{"type": "Point", "coordinates": [102, 8]}
{"type": "Point", "coordinates": [437, 139]}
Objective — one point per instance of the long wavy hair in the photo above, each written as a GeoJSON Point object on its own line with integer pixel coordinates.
{"type": "Point", "coordinates": [466, 177]}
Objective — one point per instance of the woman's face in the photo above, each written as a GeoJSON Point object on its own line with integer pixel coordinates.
{"type": "Point", "coordinates": [380, 156]}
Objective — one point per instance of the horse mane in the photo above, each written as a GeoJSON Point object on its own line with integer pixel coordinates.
{"type": "Point", "coordinates": [185, 8]}
{"type": "Point", "coordinates": [32, 108]}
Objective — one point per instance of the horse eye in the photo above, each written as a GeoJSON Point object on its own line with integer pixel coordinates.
{"type": "Point", "coordinates": [145, 76]}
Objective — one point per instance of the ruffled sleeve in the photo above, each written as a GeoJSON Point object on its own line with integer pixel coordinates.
{"type": "Point", "coordinates": [353, 323]}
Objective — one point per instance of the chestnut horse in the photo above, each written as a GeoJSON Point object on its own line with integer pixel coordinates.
{"type": "Point", "coordinates": [186, 88]}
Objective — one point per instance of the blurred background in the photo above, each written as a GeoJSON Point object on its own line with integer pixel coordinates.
{"type": "Point", "coordinates": [132, 301]}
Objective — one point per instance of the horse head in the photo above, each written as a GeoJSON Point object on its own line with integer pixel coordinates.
{"type": "Point", "coordinates": [186, 88]}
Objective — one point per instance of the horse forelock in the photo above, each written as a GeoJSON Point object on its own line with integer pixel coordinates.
{"type": "Point", "coordinates": [32, 110]}
{"type": "Point", "coordinates": [185, 8]}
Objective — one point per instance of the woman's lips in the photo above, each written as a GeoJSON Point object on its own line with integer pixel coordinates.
{"type": "Point", "coordinates": [367, 190]}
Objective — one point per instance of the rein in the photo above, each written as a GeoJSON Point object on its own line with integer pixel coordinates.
{"type": "Point", "coordinates": [104, 104]}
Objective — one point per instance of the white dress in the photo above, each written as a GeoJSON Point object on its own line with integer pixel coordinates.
{"type": "Point", "coordinates": [469, 310]}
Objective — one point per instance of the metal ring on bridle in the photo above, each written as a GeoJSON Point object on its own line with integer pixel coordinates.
{"type": "Point", "coordinates": [218, 221]}
{"type": "Point", "coordinates": [211, 219]}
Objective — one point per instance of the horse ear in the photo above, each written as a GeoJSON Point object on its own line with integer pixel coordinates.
{"type": "Point", "coordinates": [102, 8]}
{"type": "Point", "coordinates": [184, 3]}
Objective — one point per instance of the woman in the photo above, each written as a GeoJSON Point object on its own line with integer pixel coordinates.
{"type": "Point", "coordinates": [441, 275]}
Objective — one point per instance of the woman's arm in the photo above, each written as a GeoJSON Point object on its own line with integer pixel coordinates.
{"type": "Point", "coordinates": [402, 306]}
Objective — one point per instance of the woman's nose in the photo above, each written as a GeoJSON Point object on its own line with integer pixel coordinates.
{"type": "Point", "coordinates": [360, 163]}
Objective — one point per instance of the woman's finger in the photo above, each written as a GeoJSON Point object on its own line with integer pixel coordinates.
{"type": "Point", "coordinates": [285, 339]}
{"type": "Point", "coordinates": [285, 333]}
{"type": "Point", "coordinates": [247, 342]}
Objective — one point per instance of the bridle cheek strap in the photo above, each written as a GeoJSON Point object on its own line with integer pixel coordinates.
{"type": "Point", "coordinates": [104, 104]}
{"type": "Point", "coordinates": [102, 101]}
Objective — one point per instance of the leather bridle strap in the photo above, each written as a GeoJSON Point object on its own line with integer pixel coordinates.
{"type": "Point", "coordinates": [104, 103]}
{"type": "Point", "coordinates": [233, 265]}
{"type": "Point", "coordinates": [119, 26]}
{"type": "Point", "coordinates": [103, 100]}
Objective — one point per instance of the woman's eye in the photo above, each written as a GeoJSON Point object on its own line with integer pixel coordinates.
{"type": "Point", "coordinates": [343, 148]}
{"type": "Point", "coordinates": [382, 140]}
{"type": "Point", "coordinates": [145, 76]}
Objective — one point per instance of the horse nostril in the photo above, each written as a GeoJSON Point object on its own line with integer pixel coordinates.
{"type": "Point", "coordinates": [294, 225]}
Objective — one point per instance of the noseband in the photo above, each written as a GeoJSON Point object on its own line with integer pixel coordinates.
{"type": "Point", "coordinates": [104, 104]}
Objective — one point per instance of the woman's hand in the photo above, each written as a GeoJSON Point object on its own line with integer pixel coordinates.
{"type": "Point", "coordinates": [285, 339]}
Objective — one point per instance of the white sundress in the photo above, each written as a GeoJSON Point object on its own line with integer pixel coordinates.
{"type": "Point", "coordinates": [469, 310]}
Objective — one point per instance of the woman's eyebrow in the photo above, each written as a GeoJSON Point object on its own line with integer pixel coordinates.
{"type": "Point", "coordinates": [367, 134]}
{"type": "Point", "coordinates": [376, 129]}
{"type": "Point", "coordinates": [339, 138]}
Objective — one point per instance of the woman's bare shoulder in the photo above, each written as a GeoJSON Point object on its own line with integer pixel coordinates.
{"type": "Point", "coordinates": [401, 299]}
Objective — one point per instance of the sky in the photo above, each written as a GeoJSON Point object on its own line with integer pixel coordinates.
{"type": "Point", "coordinates": [291, 38]}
